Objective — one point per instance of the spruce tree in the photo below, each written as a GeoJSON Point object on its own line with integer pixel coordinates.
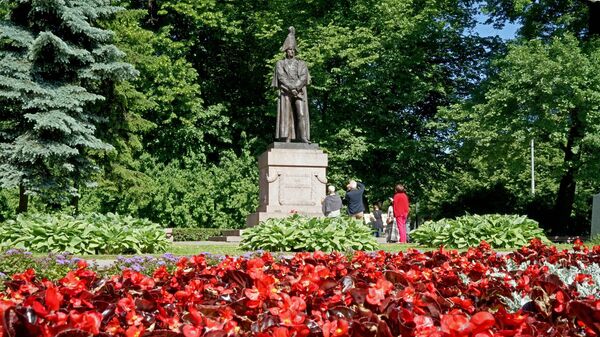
{"type": "Point", "coordinates": [55, 63]}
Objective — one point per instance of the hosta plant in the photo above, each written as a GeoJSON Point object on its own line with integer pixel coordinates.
{"type": "Point", "coordinates": [298, 233]}
{"type": "Point", "coordinates": [500, 231]}
{"type": "Point", "coordinates": [84, 234]}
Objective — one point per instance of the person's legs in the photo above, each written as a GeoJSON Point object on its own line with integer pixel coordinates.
{"type": "Point", "coordinates": [401, 222]}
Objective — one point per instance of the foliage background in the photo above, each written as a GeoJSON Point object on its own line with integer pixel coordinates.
{"type": "Point", "coordinates": [403, 91]}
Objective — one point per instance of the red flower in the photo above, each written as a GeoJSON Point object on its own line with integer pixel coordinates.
{"type": "Point", "coordinates": [423, 293]}
{"type": "Point", "coordinates": [53, 298]}
{"type": "Point", "coordinates": [161, 273]}
{"type": "Point", "coordinates": [87, 321]}
{"type": "Point", "coordinates": [482, 321]}
{"type": "Point", "coordinates": [465, 304]}
{"type": "Point", "coordinates": [134, 331]}
{"type": "Point", "coordinates": [191, 331]}
{"type": "Point", "coordinates": [255, 268]}
{"type": "Point", "coordinates": [138, 279]}
{"type": "Point", "coordinates": [290, 310]}
{"type": "Point", "coordinates": [133, 318]}
{"type": "Point", "coordinates": [377, 293]}
{"type": "Point", "coordinates": [280, 332]}
{"type": "Point", "coordinates": [125, 304]}
{"type": "Point", "coordinates": [456, 325]}
{"type": "Point", "coordinates": [335, 328]}
{"type": "Point", "coordinates": [58, 319]}
{"type": "Point", "coordinates": [26, 276]}
{"type": "Point", "coordinates": [72, 282]}
{"type": "Point", "coordinates": [254, 299]}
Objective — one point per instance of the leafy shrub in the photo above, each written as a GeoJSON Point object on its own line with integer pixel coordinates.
{"type": "Point", "coordinates": [500, 231]}
{"type": "Point", "coordinates": [297, 233]}
{"type": "Point", "coordinates": [184, 193]}
{"type": "Point", "coordinates": [85, 234]}
{"type": "Point", "coordinates": [195, 234]}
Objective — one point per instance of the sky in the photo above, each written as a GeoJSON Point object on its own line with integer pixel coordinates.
{"type": "Point", "coordinates": [507, 33]}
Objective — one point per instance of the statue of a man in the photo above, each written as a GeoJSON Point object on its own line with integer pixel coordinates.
{"type": "Point", "coordinates": [291, 78]}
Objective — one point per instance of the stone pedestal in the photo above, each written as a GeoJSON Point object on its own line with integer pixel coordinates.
{"type": "Point", "coordinates": [595, 216]}
{"type": "Point", "coordinates": [292, 179]}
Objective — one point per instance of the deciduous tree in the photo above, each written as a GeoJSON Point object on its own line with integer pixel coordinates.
{"type": "Point", "coordinates": [549, 92]}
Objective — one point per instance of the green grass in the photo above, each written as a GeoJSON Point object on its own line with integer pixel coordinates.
{"type": "Point", "coordinates": [179, 249]}
{"type": "Point", "coordinates": [234, 250]}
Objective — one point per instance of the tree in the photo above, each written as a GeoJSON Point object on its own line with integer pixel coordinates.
{"type": "Point", "coordinates": [54, 64]}
{"type": "Point", "coordinates": [547, 18]}
{"type": "Point", "coordinates": [381, 70]}
{"type": "Point", "coordinates": [183, 124]}
{"type": "Point", "coordinates": [548, 91]}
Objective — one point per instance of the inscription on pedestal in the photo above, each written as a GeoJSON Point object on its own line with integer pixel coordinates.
{"type": "Point", "coordinates": [296, 190]}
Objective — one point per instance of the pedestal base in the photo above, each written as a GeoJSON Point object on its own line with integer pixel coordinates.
{"type": "Point", "coordinates": [291, 180]}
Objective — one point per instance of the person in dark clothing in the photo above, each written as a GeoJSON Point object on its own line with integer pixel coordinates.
{"type": "Point", "coordinates": [377, 220]}
{"type": "Point", "coordinates": [354, 199]}
{"type": "Point", "coordinates": [332, 203]}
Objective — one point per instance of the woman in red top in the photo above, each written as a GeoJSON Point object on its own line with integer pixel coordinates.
{"type": "Point", "coordinates": [401, 211]}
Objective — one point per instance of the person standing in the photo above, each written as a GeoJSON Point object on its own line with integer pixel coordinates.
{"type": "Point", "coordinates": [332, 204]}
{"type": "Point", "coordinates": [354, 199]}
{"type": "Point", "coordinates": [377, 217]}
{"type": "Point", "coordinates": [391, 228]}
{"type": "Point", "coordinates": [401, 206]}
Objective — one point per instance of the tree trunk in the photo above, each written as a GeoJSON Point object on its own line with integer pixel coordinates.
{"type": "Point", "coordinates": [566, 189]}
{"type": "Point", "coordinates": [75, 204]}
{"type": "Point", "coordinates": [23, 200]}
{"type": "Point", "coordinates": [75, 198]}
{"type": "Point", "coordinates": [565, 201]}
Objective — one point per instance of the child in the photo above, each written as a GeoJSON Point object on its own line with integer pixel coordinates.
{"type": "Point", "coordinates": [377, 219]}
{"type": "Point", "coordinates": [392, 234]}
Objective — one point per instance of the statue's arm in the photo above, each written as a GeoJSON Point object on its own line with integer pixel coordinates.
{"type": "Point", "coordinates": [284, 82]}
{"type": "Point", "coordinates": [302, 77]}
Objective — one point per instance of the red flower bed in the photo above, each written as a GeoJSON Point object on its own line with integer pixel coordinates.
{"type": "Point", "coordinates": [441, 293]}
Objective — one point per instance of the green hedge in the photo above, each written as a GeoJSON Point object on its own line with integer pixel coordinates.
{"type": "Point", "coordinates": [195, 234]}
{"type": "Point", "coordinates": [85, 234]}
{"type": "Point", "coordinates": [500, 231]}
{"type": "Point", "coordinates": [297, 233]}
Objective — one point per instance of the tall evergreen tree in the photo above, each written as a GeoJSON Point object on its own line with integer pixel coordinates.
{"type": "Point", "coordinates": [55, 63]}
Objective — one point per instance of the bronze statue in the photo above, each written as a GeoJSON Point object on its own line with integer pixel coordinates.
{"type": "Point", "coordinates": [291, 78]}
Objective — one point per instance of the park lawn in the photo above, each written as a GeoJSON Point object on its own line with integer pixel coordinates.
{"type": "Point", "coordinates": [234, 250]}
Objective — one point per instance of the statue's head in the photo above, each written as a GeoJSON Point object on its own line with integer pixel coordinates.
{"type": "Point", "coordinates": [289, 45]}
{"type": "Point", "coordinates": [290, 53]}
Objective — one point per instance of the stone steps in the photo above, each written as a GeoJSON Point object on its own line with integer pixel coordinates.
{"type": "Point", "coordinates": [232, 232]}
{"type": "Point", "coordinates": [226, 238]}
